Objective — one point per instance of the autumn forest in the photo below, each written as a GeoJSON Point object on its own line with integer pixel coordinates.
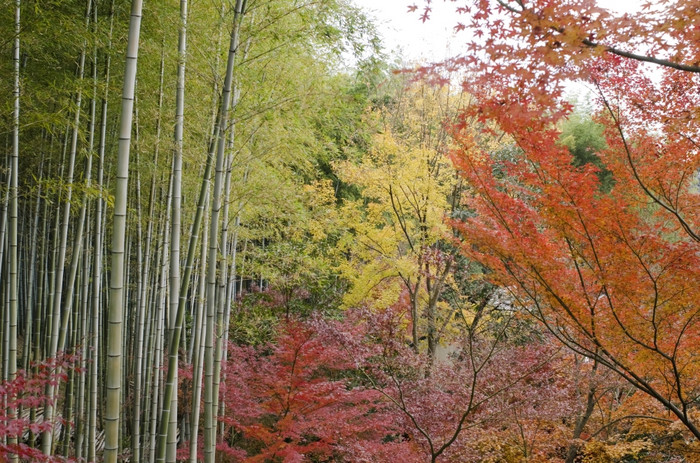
{"type": "Point", "coordinates": [244, 231]}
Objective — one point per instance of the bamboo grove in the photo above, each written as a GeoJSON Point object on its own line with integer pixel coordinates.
{"type": "Point", "coordinates": [150, 153]}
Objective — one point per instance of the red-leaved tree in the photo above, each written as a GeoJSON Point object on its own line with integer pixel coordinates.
{"type": "Point", "coordinates": [355, 390]}
{"type": "Point", "coordinates": [498, 380]}
{"type": "Point", "coordinates": [300, 399]}
{"type": "Point", "coordinates": [28, 391]}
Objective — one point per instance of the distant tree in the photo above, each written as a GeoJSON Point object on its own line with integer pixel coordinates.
{"type": "Point", "coordinates": [585, 140]}
{"type": "Point", "coordinates": [396, 238]}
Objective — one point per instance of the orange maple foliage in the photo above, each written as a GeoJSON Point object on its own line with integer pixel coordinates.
{"type": "Point", "coordinates": [614, 275]}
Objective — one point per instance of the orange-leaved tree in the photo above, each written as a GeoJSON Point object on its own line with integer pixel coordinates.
{"type": "Point", "coordinates": [613, 274]}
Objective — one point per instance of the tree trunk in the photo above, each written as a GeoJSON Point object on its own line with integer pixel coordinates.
{"type": "Point", "coordinates": [116, 301]}
{"type": "Point", "coordinates": [198, 353]}
{"type": "Point", "coordinates": [209, 411]}
{"type": "Point", "coordinates": [97, 260]}
{"type": "Point", "coordinates": [198, 339]}
{"type": "Point", "coordinates": [158, 330]}
{"type": "Point", "coordinates": [168, 420]}
{"type": "Point", "coordinates": [582, 419]}
{"type": "Point", "coordinates": [14, 174]}
{"type": "Point", "coordinates": [57, 328]}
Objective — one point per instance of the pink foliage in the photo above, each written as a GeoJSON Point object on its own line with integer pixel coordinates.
{"type": "Point", "coordinates": [354, 390]}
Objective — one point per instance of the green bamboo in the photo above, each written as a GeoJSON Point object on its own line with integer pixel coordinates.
{"type": "Point", "coordinates": [14, 168]}
{"type": "Point", "coordinates": [116, 300]}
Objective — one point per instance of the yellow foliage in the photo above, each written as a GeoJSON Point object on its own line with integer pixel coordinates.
{"type": "Point", "coordinates": [405, 191]}
{"type": "Point", "coordinates": [396, 227]}
{"type": "Point", "coordinates": [320, 198]}
{"type": "Point", "coordinates": [600, 452]}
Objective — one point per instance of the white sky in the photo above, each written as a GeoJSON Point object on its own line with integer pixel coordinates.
{"type": "Point", "coordinates": [434, 40]}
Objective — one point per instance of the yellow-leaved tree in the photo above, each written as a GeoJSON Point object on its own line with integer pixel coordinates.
{"type": "Point", "coordinates": [397, 243]}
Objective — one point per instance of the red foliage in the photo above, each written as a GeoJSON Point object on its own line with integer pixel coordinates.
{"type": "Point", "coordinates": [354, 390]}
{"type": "Point", "coordinates": [294, 399]}
{"type": "Point", "coordinates": [28, 390]}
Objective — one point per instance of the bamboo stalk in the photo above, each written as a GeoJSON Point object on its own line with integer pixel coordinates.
{"type": "Point", "coordinates": [116, 300]}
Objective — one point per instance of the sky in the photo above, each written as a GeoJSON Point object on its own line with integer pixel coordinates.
{"type": "Point", "coordinates": [435, 39]}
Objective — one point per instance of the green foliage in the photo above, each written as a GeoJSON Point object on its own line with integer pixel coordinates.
{"type": "Point", "coordinates": [254, 320]}
{"type": "Point", "coordinates": [584, 139]}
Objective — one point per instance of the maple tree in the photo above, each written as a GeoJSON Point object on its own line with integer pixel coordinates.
{"type": "Point", "coordinates": [354, 390]}
{"type": "Point", "coordinates": [613, 275]}
{"type": "Point", "coordinates": [295, 399]}
{"type": "Point", "coordinates": [451, 408]}
{"type": "Point", "coordinates": [28, 391]}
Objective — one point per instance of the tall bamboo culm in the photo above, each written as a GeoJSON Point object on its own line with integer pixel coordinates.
{"type": "Point", "coordinates": [113, 372]}
{"type": "Point", "coordinates": [14, 175]}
